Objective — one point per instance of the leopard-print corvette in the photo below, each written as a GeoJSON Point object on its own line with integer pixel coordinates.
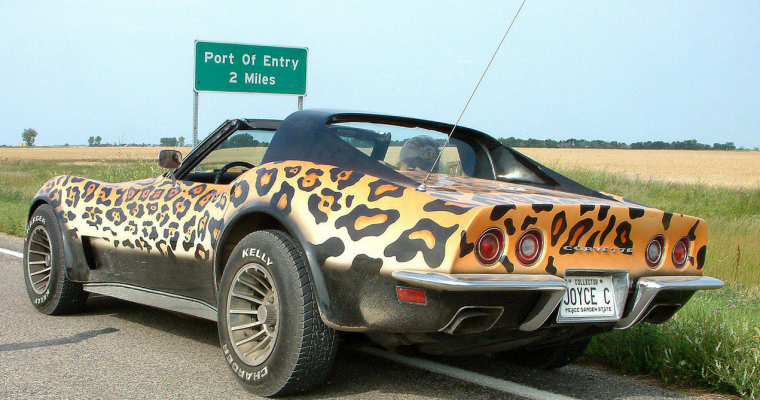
{"type": "Point", "coordinates": [365, 229]}
{"type": "Point", "coordinates": [328, 233]}
{"type": "Point", "coordinates": [356, 228]}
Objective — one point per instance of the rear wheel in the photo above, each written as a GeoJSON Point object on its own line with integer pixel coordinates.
{"type": "Point", "coordinates": [49, 289]}
{"type": "Point", "coordinates": [550, 357]}
{"type": "Point", "coordinates": [272, 335]}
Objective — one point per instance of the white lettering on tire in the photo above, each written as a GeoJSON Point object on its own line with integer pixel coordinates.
{"type": "Point", "coordinates": [36, 218]}
{"type": "Point", "coordinates": [239, 371]}
{"type": "Point", "coordinates": [43, 298]}
{"type": "Point", "coordinates": [256, 253]}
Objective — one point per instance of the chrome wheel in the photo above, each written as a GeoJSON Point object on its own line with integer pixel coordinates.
{"type": "Point", "coordinates": [40, 259]}
{"type": "Point", "coordinates": [270, 329]}
{"type": "Point", "coordinates": [253, 314]}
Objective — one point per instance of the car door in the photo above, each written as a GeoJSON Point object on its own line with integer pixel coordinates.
{"type": "Point", "coordinates": [166, 245]}
{"type": "Point", "coordinates": [176, 223]}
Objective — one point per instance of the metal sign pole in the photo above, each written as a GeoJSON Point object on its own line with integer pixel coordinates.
{"type": "Point", "coordinates": [300, 103]}
{"type": "Point", "coordinates": [195, 118]}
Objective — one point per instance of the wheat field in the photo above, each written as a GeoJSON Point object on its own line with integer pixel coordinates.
{"type": "Point", "coordinates": [80, 153]}
{"type": "Point", "coordinates": [735, 169]}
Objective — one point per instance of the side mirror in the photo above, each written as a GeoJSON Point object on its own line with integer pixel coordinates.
{"type": "Point", "coordinates": [169, 159]}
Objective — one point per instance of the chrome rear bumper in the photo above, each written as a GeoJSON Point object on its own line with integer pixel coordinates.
{"type": "Point", "coordinates": [553, 290]}
{"type": "Point", "coordinates": [648, 288]}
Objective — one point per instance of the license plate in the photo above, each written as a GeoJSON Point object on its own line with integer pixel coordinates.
{"type": "Point", "coordinates": [588, 298]}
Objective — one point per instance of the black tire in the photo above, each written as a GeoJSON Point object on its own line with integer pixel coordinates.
{"type": "Point", "coordinates": [549, 357]}
{"type": "Point", "coordinates": [293, 350]}
{"type": "Point", "coordinates": [49, 289]}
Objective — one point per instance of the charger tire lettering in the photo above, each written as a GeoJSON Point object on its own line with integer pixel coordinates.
{"type": "Point", "coordinates": [242, 373]}
{"type": "Point", "coordinates": [37, 218]}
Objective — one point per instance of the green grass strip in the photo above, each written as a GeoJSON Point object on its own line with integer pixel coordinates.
{"type": "Point", "coordinates": [713, 342]}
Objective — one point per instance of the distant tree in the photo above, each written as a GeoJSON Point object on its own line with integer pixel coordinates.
{"type": "Point", "coordinates": [169, 142]}
{"type": "Point", "coordinates": [691, 144]}
{"type": "Point", "coordinates": [98, 140]}
{"type": "Point", "coordinates": [28, 136]}
{"type": "Point", "coordinates": [91, 141]}
{"type": "Point", "coordinates": [181, 141]}
{"type": "Point", "coordinates": [242, 140]}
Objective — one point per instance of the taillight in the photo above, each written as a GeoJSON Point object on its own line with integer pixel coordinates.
{"type": "Point", "coordinates": [490, 246]}
{"type": "Point", "coordinates": [529, 247]}
{"type": "Point", "coordinates": [654, 251]}
{"type": "Point", "coordinates": [681, 252]}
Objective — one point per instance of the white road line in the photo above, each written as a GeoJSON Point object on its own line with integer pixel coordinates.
{"type": "Point", "coordinates": [12, 253]}
{"type": "Point", "coordinates": [469, 376]}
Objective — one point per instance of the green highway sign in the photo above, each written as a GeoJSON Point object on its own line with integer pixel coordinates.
{"type": "Point", "coordinates": [233, 67]}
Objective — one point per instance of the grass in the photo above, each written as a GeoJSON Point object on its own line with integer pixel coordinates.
{"type": "Point", "coordinates": [712, 342]}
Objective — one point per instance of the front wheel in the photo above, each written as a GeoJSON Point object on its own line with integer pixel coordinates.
{"type": "Point", "coordinates": [272, 335]}
{"type": "Point", "coordinates": [49, 289]}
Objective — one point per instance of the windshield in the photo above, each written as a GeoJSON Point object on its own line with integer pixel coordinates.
{"type": "Point", "coordinates": [248, 146]}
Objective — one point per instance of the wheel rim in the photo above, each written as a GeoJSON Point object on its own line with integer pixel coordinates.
{"type": "Point", "coordinates": [253, 314]}
{"type": "Point", "coordinates": [39, 259]}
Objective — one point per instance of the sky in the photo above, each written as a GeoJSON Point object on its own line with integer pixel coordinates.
{"type": "Point", "coordinates": [626, 71]}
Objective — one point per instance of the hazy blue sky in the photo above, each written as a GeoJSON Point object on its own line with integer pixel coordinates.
{"type": "Point", "coordinates": [625, 71]}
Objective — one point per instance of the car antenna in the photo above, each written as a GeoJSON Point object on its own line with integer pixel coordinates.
{"type": "Point", "coordinates": [423, 186]}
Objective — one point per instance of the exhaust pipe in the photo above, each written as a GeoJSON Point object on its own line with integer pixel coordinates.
{"type": "Point", "coordinates": [473, 320]}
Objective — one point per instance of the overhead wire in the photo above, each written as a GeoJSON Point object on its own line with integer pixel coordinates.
{"type": "Point", "coordinates": [423, 186]}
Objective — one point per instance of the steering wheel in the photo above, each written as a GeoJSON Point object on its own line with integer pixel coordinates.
{"type": "Point", "coordinates": [224, 169]}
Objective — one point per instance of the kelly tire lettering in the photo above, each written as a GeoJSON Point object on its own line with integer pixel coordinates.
{"type": "Point", "coordinates": [279, 345]}
{"type": "Point", "coordinates": [49, 289]}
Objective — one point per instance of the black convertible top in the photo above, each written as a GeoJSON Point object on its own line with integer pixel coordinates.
{"type": "Point", "coordinates": [306, 136]}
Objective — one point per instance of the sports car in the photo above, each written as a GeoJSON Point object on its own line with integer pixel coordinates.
{"type": "Point", "coordinates": [413, 232]}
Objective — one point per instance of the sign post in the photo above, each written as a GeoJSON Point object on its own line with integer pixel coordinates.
{"type": "Point", "coordinates": [244, 68]}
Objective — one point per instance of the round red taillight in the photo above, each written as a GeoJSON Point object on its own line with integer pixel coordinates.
{"type": "Point", "coordinates": [654, 251]}
{"type": "Point", "coordinates": [681, 252]}
{"type": "Point", "coordinates": [529, 247]}
{"type": "Point", "coordinates": [490, 246]}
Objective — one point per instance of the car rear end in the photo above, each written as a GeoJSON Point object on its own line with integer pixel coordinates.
{"type": "Point", "coordinates": [548, 268]}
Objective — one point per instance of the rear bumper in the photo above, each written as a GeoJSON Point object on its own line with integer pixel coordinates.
{"type": "Point", "coordinates": [553, 288]}
{"type": "Point", "coordinates": [648, 288]}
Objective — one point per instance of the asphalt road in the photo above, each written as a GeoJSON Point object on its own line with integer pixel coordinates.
{"type": "Point", "coordinates": [118, 350]}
